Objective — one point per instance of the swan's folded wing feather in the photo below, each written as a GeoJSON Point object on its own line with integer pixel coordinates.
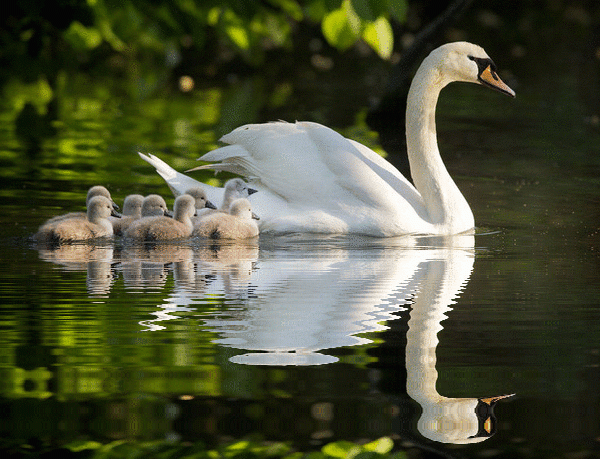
{"type": "Point", "coordinates": [362, 174]}
{"type": "Point", "coordinates": [278, 155]}
{"type": "Point", "coordinates": [224, 153]}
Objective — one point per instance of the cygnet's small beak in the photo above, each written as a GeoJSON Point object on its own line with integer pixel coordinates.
{"type": "Point", "coordinates": [252, 191]}
{"type": "Point", "coordinates": [114, 212]}
{"type": "Point", "coordinates": [115, 205]}
{"type": "Point", "coordinates": [254, 216]}
{"type": "Point", "coordinates": [168, 213]}
{"type": "Point", "coordinates": [209, 205]}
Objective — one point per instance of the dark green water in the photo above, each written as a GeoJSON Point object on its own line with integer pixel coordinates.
{"type": "Point", "coordinates": [300, 338]}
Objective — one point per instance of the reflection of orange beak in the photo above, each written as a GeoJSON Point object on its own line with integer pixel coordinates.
{"type": "Point", "coordinates": [492, 400]}
{"type": "Point", "coordinates": [491, 79]}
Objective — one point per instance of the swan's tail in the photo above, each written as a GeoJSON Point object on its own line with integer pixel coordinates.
{"type": "Point", "coordinates": [178, 182]}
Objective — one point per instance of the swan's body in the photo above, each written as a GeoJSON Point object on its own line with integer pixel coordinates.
{"type": "Point", "coordinates": [96, 190]}
{"type": "Point", "coordinates": [163, 228]}
{"type": "Point", "coordinates": [132, 210]}
{"type": "Point", "coordinates": [311, 179]}
{"type": "Point", "coordinates": [95, 225]}
{"type": "Point", "coordinates": [239, 223]}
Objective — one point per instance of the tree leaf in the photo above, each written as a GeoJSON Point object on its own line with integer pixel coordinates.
{"type": "Point", "coordinates": [341, 449]}
{"type": "Point", "coordinates": [338, 30]}
{"type": "Point", "coordinates": [382, 445]}
{"type": "Point", "coordinates": [380, 37]}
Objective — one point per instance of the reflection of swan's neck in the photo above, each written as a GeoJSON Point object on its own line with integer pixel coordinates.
{"type": "Point", "coordinates": [446, 206]}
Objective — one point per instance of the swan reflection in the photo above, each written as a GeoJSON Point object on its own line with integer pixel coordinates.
{"type": "Point", "coordinates": [294, 299]}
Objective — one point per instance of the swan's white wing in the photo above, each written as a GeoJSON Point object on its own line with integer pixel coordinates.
{"type": "Point", "coordinates": [307, 162]}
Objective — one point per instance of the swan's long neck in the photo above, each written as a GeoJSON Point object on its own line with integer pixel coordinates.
{"type": "Point", "coordinates": [448, 210]}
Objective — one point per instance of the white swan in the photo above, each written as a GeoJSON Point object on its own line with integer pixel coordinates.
{"type": "Point", "coordinates": [311, 179]}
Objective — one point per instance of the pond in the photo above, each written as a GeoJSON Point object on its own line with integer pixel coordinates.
{"type": "Point", "coordinates": [303, 338]}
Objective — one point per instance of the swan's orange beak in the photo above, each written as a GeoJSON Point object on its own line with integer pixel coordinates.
{"type": "Point", "coordinates": [488, 77]}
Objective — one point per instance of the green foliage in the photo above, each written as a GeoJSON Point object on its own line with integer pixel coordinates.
{"type": "Point", "coordinates": [366, 19]}
{"type": "Point", "coordinates": [243, 449]}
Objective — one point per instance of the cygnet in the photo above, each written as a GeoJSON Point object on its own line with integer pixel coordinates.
{"type": "Point", "coordinates": [163, 228]}
{"type": "Point", "coordinates": [96, 224]}
{"type": "Point", "coordinates": [239, 223]}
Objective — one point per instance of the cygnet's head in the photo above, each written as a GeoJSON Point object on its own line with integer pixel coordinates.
{"type": "Point", "coordinates": [99, 207]}
{"type": "Point", "coordinates": [200, 197]}
{"type": "Point", "coordinates": [99, 190]}
{"type": "Point", "coordinates": [154, 205]}
{"type": "Point", "coordinates": [243, 209]}
{"type": "Point", "coordinates": [237, 188]}
{"type": "Point", "coordinates": [184, 205]}
{"type": "Point", "coordinates": [132, 206]}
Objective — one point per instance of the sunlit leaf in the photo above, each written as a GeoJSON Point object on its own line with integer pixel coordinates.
{"type": "Point", "coordinates": [382, 445]}
{"type": "Point", "coordinates": [341, 449]}
{"type": "Point", "coordinates": [380, 36]}
{"type": "Point", "coordinates": [81, 37]}
{"type": "Point", "coordinates": [236, 30]}
{"type": "Point", "coordinates": [340, 29]}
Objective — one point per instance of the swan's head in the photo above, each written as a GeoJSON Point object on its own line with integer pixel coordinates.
{"type": "Point", "coordinates": [462, 61]}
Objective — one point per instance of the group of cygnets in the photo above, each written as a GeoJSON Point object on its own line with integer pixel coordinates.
{"type": "Point", "coordinates": [148, 218]}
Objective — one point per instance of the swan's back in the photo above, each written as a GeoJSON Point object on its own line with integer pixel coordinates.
{"type": "Point", "coordinates": [95, 225]}
{"type": "Point", "coordinates": [240, 223]}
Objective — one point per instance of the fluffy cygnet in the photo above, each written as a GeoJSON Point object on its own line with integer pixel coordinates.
{"type": "Point", "coordinates": [97, 190]}
{"type": "Point", "coordinates": [164, 228]}
{"type": "Point", "coordinates": [77, 229]}
{"type": "Point", "coordinates": [154, 206]}
{"type": "Point", "coordinates": [234, 189]}
{"type": "Point", "coordinates": [132, 210]}
{"type": "Point", "coordinates": [199, 195]}
{"type": "Point", "coordinates": [239, 223]}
